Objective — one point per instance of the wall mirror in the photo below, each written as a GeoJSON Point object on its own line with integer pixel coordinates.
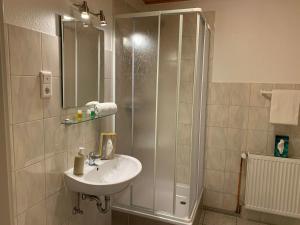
{"type": "Point", "coordinates": [82, 63]}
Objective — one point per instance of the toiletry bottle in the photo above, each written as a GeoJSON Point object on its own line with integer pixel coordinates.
{"type": "Point", "coordinates": [79, 115]}
{"type": "Point", "coordinates": [79, 162]}
{"type": "Point", "coordinates": [93, 114]}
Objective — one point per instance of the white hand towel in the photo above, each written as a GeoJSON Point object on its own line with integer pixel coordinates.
{"type": "Point", "coordinates": [106, 108]}
{"type": "Point", "coordinates": [285, 107]}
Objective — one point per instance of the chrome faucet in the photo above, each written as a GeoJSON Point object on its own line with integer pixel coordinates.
{"type": "Point", "coordinates": [92, 156]}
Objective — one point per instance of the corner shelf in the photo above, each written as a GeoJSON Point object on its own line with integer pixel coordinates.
{"type": "Point", "coordinates": [69, 121]}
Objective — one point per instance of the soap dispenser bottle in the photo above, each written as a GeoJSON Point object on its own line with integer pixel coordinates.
{"type": "Point", "coordinates": [79, 162]}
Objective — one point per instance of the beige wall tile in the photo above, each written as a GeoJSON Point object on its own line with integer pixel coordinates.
{"type": "Point", "coordinates": [217, 115]}
{"type": "Point", "coordinates": [240, 94]}
{"type": "Point", "coordinates": [184, 134]}
{"type": "Point", "coordinates": [256, 98]}
{"type": "Point", "coordinates": [238, 117]}
{"type": "Point", "coordinates": [231, 183]}
{"type": "Point", "coordinates": [185, 113]}
{"type": "Point", "coordinates": [213, 199]}
{"type": "Point", "coordinates": [27, 104]}
{"type": "Point", "coordinates": [53, 105]}
{"type": "Point", "coordinates": [258, 118]}
{"type": "Point", "coordinates": [219, 94]}
{"type": "Point", "coordinates": [28, 143]}
{"type": "Point", "coordinates": [236, 139]}
{"type": "Point", "coordinates": [215, 159]}
{"type": "Point", "coordinates": [30, 186]}
{"type": "Point", "coordinates": [233, 160]}
{"type": "Point", "coordinates": [187, 70]}
{"type": "Point", "coordinates": [284, 86]}
{"type": "Point", "coordinates": [188, 48]}
{"type": "Point", "coordinates": [55, 136]}
{"type": "Point", "coordinates": [55, 167]}
{"type": "Point", "coordinates": [229, 202]}
{"type": "Point", "coordinates": [257, 141]}
{"type": "Point", "coordinates": [58, 208]}
{"type": "Point", "coordinates": [214, 180]}
{"type": "Point", "coordinates": [25, 51]}
{"type": "Point", "coordinates": [51, 54]}
{"type": "Point", "coordinates": [34, 216]}
{"type": "Point", "coordinates": [186, 92]}
{"type": "Point", "coordinates": [216, 137]}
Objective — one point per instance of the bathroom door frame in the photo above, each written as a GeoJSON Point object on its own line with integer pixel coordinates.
{"type": "Point", "coordinates": [6, 212]}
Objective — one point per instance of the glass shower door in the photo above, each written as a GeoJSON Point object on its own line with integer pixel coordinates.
{"type": "Point", "coordinates": [136, 78]}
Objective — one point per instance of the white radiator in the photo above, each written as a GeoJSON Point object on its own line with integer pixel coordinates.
{"type": "Point", "coordinates": [273, 185]}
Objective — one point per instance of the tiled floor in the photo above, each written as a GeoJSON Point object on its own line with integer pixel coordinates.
{"type": "Point", "coordinates": [213, 218]}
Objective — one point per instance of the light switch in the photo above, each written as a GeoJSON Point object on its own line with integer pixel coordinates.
{"type": "Point", "coordinates": [46, 84]}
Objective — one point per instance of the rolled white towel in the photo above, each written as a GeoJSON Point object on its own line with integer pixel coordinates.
{"type": "Point", "coordinates": [106, 108]}
{"type": "Point", "coordinates": [103, 109]}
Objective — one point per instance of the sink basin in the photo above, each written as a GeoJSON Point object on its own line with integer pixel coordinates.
{"type": "Point", "coordinates": [108, 177]}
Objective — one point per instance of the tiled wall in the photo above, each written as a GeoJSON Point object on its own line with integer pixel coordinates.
{"type": "Point", "coordinates": [41, 148]}
{"type": "Point", "coordinates": [238, 121]}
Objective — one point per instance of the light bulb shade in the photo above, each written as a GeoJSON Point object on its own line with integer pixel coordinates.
{"type": "Point", "coordinates": [102, 19]}
{"type": "Point", "coordinates": [67, 18]}
{"type": "Point", "coordinates": [103, 23]}
{"type": "Point", "coordinates": [85, 15]}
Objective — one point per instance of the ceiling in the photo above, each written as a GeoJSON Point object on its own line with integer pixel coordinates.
{"type": "Point", "coordinates": [160, 1]}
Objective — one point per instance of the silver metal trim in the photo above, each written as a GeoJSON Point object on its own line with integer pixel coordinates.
{"type": "Point", "coordinates": [158, 13]}
{"type": "Point", "coordinates": [177, 104]}
{"type": "Point", "coordinates": [156, 112]}
{"type": "Point", "coordinates": [193, 105]}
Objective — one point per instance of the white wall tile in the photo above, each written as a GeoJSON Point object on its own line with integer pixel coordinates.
{"type": "Point", "coordinates": [35, 215]}
{"type": "Point", "coordinates": [30, 186]}
{"type": "Point", "coordinates": [214, 180]}
{"type": "Point", "coordinates": [28, 143]}
{"type": "Point", "coordinates": [258, 118]}
{"type": "Point", "coordinates": [238, 117]}
{"type": "Point", "coordinates": [218, 94]}
{"type": "Point", "coordinates": [25, 51]}
{"type": "Point", "coordinates": [217, 115]}
{"type": "Point", "coordinates": [240, 94]}
{"type": "Point", "coordinates": [27, 104]}
{"type": "Point", "coordinates": [55, 167]}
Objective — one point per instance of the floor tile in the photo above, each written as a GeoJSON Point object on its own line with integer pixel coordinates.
{"type": "Point", "coordinates": [212, 218]}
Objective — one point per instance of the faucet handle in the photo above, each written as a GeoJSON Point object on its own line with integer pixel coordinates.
{"type": "Point", "coordinates": [92, 156]}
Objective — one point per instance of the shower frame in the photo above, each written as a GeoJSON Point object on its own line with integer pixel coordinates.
{"type": "Point", "coordinates": [204, 71]}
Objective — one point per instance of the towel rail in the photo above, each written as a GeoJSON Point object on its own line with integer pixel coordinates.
{"type": "Point", "coordinates": [267, 94]}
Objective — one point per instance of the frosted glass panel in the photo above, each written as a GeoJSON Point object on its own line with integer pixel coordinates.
{"type": "Point", "coordinates": [196, 115]}
{"type": "Point", "coordinates": [144, 41]}
{"type": "Point", "coordinates": [166, 116]}
{"type": "Point", "coordinates": [203, 111]}
{"type": "Point", "coordinates": [123, 76]}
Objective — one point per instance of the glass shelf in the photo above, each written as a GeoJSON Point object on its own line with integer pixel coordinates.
{"type": "Point", "coordinates": [73, 121]}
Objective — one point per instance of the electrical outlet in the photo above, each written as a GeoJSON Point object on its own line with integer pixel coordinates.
{"type": "Point", "coordinates": [46, 84]}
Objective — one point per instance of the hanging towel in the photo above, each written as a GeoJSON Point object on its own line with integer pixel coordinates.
{"type": "Point", "coordinates": [285, 107]}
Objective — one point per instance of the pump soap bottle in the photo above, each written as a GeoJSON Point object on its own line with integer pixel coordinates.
{"type": "Point", "coordinates": [79, 162]}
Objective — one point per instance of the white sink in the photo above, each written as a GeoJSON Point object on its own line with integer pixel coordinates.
{"type": "Point", "coordinates": [108, 177]}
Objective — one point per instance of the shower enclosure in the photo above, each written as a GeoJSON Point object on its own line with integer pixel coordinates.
{"type": "Point", "coordinates": [161, 63]}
